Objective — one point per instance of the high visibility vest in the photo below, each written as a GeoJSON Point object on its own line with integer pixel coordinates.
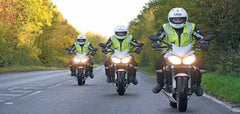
{"type": "Point", "coordinates": [126, 43]}
{"type": "Point", "coordinates": [185, 38]}
{"type": "Point", "coordinates": [83, 49]}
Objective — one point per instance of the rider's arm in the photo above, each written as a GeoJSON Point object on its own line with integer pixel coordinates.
{"type": "Point", "coordinates": [161, 33]}
{"type": "Point", "coordinates": [93, 50]}
{"type": "Point", "coordinates": [197, 34]}
{"type": "Point", "coordinates": [73, 47]}
{"type": "Point", "coordinates": [134, 42]}
{"type": "Point", "coordinates": [90, 47]}
{"type": "Point", "coordinates": [109, 43]}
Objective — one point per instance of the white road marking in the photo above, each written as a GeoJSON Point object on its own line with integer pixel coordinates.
{"type": "Point", "coordinates": [55, 86]}
{"type": "Point", "coordinates": [12, 88]}
{"type": "Point", "coordinates": [11, 95]}
{"type": "Point", "coordinates": [32, 88]}
{"type": "Point", "coordinates": [225, 104]}
{"type": "Point", "coordinates": [9, 103]}
{"type": "Point", "coordinates": [20, 91]}
{"type": "Point", "coordinates": [31, 94]}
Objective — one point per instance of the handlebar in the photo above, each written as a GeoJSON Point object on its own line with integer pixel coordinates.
{"type": "Point", "coordinates": [155, 38]}
{"type": "Point", "coordinates": [139, 45]}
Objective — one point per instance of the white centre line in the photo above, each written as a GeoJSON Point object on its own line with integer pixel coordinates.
{"type": "Point", "coordinates": [21, 91]}
{"type": "Point", "coordinates": [9, 103]}
{"type": "Point", "coordinates": [31, 94]}
{"type": "Point", "coordinates": [11, 95]}
{"type": "Point", "coordinates": [32, 88]}
{"type": "Point", "coordinates": [12, 88]}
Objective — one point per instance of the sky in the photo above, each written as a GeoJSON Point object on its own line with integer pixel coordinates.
{"type": "Point", "coordinates": [99, 16]}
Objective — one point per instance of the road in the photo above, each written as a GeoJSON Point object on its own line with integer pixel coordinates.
{"type": "Point", "coordinates": [56, 92]}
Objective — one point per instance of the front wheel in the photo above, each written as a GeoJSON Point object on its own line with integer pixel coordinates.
{"type": "Point", "coordinates": [121, 82]}
{"type": "Point", "coordinates": [80, 77]}
{"type": "Point", "coordinates": [182, 99]}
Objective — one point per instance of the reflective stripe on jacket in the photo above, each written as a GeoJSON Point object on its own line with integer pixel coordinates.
{"type": "Point", "coordinates": [185, 38]}
{"type": "Point", "coordinates": [83, 49]}
{"type": "Point", "coordinates": [125, 43]}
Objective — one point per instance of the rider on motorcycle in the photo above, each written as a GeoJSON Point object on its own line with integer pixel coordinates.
{"type": "Point", "coordinates": [121, 41]}
{"type": "Point", "coordinates": [180, 32]}
{"type": "Point", "coordinates": [82, 46]}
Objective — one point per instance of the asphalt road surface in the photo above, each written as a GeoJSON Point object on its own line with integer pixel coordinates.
{"type": "Point", "coordinates": [56, 92]}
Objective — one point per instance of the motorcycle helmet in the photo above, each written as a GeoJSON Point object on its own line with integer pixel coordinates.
{"type": "Point", "coordinates": [81, 39]}
{"type": "Point", "coordinates": [177, 17]}
{"type": "Point", "coordinates": [121, 31]}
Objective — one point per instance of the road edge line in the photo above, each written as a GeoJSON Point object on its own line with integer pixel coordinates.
{"type": "Point", "coordinates": [223, 103]}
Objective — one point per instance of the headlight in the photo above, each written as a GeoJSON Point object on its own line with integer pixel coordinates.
{"type": "Point", "coordinates": [116, 60]}
{"type": "Point", "coordinates": [174, 60]}
{"type": "Point", "coordinates": [76, 60]}
{"type": "Point", "coordinates": [126, 60]}
{"type": "Point", "coordinates": [83, 60]}
{"type": "Point", "coordinates": [189, 60]}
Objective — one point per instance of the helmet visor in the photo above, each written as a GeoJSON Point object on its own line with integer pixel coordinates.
{"type": "Point", "coordinates": [81, 40]}
{"type": "Point", "coordinates": [178, 20]}
{"type": "Point", "coordinates": [121, 33]}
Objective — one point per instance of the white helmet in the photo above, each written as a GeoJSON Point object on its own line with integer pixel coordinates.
{"type": "Point", "coordinates": [81, 39]}
{"type": "Point", "coordinates": [177, 13]}
{"type": "Point", "coordinates": [121, 31]}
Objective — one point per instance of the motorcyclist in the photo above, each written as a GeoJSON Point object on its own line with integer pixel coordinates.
{"type": "Point", "coordinates": [121, 41]}
{"type": "Point", "coordinates": [181, 32]}
{"type": "Point", "coordinates": [82, 46]}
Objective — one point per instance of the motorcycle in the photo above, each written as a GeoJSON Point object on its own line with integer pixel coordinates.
{"type": "Point", "coordinates": [80, 62]}
{"type": "Point", "coordinates": [121, 69]}
{"type": "Point", "coordinates": [179, 71]}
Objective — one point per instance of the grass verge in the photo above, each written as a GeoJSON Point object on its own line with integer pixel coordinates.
{"type": "Point", "coordinates": [226, 88]}
{"type": "Point", "coordinates": [27, 68]}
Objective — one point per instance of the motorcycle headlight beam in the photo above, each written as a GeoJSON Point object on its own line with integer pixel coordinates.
{"type": "Point", "coordinates": [174, 60]}
{"type": "Point", "coordinates": [126, 60]}
{"type": "Point", "coordinates": [189, 60]}
{"type": "Point", "coordinates": [116, 60]}
{"type": "Point", "coordinates": [83, 60]}
{"type": "Point", "coordinates": [76, 60]}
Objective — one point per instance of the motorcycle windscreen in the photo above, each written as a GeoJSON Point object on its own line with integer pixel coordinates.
{"type": "Point", "coordinates": [120, 54]}
{"type": "Point", "coordinates": [81, 55]}
{"type": "Point", "coordinates": [181, 51]}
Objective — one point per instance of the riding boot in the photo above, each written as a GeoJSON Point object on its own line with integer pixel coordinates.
{"type": "Point", "coordinates": [134, 81]}
{"type": "Point", "coordinates": [198, 91]}
{"type": "Point", "coordinates": [160, 83]}
{"type": "Point", "coordinates": [107, 72]}
{"type": "Point", "coordinates": [91, 72]}
{"type": "Point", "coordinates": [73, 71]}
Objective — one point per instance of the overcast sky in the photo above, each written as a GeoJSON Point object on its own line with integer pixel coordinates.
{"type": "Point", "coordinates": [99, 16]}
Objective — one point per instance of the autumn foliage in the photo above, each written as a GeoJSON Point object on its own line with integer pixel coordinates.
{"type": "Point", "coordinates": [33, 32]}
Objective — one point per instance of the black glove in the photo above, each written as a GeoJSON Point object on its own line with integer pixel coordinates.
{"type": "Point", "coordinates": [204, 45]}
{"type": "Point", "coordinates": [69, 52]}
{"type": "Point", "coordinates": [155, 44]}
{"type": "Point", "coordinates": [138, 50]}
{"type": "Point", "coordinates": [93, 53]}
{"type": "Point", "coordinates": [104, 50]}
